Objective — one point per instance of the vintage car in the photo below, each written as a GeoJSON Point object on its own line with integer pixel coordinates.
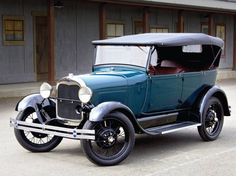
{"type": "Point", "coordinates": [146, 83]}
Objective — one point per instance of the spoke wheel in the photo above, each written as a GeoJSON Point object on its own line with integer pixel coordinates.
{"type": "Point", "coordinates": [114, 140]}
{"type": "Point", "coordinates": [212, 121]}
{"type": "Point", "coordinates": [33, 141]}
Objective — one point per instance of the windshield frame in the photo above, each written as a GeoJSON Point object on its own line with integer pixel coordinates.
{"type": "Point", "coordinates": [124, 64]}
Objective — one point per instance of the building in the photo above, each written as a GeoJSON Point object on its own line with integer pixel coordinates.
{"type": "Point", "coordinates": [47, 39]}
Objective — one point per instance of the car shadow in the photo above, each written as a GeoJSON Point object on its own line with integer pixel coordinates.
{"type": "Point", "coordinates": [145, 146]}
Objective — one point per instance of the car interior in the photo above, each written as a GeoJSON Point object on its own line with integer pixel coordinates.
{"type": "Point", "coordinates": [173, 60]}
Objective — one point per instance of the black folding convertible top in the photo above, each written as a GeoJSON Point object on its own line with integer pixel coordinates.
{"type": "Point", "coordinates": [163, 39]}
{"type": "Point", "coordinates": [169, 46]}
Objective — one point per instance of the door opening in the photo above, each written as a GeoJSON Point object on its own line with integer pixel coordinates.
{"type": "Point", "coordinates": [41, 48]}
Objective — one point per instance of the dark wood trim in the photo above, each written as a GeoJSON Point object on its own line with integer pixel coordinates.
{"type": "Point", "coordinates": [102, 21]}
{"type": "Point", "coordinates": [180, 23]}
{"type": "Point", "coordinates": [234, 45]}
{"type": "Point", "coordinates": [210, 25]}
{"type": "Point", "coordinates": [146, 20]}
{"type": "Point", "coordinates": [51, 36]}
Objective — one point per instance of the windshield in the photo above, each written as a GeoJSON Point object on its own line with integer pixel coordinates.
{"type": "Point", "coordinates": [128, 55]}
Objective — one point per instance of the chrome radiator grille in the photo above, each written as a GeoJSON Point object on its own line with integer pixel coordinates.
{"type": "Point", "coordinates": [68, 103]}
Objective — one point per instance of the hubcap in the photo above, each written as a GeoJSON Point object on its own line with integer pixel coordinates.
{"type": "Point", "coordinates": [212, 121]}
{"type": "Point", "coordinates": [107, 138]}
{"type": "Point", "coordinates": [212, 117]}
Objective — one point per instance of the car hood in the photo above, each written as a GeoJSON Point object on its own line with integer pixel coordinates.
{"type": "Point", "coordinates": [96, 81]}
{"type": "Point", "coordinates": [117, 85]}
{"type": "Point", "coordinates": [99, 80]}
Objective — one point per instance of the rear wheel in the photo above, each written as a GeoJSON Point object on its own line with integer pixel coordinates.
{"type": "Point", "coordinates": [212, 120]}
{"type": "Point", "coordinates": [114, 141]}
{"type": "Point", "coordinates": [32, 141]}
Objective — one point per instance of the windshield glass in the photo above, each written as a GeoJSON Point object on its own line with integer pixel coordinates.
{"type": "Point", "coordinates": [128, 55]}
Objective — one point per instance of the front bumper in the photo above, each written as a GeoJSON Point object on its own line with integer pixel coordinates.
{"type": "Point", "coordinates": [53, 130]}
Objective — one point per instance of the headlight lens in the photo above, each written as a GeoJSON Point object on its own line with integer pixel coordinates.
{"type": "Point", "coordinates": [85, 94]}
{"type": "Point", "coordinates": [45, 90]}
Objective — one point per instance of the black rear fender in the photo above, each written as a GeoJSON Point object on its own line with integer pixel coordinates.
{"type": "Point", "coordinates": [214, 91]}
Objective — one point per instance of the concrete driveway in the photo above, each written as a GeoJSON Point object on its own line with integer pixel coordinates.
{"type": "Point", "coordinates": [180, 153]}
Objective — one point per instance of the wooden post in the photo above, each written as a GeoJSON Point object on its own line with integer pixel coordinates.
{"type": "Point", "coordinates": [145, 20]}
{"type": "Point", "coordinates": [234, 45]}
{"type": "Point", "coordinates": [180, 23]}
{"type": "Point", "coordinates": [51, 40]}
{"type": "Point", "coordinates": [210, 25]}
{"type": "Point", "coordinates": [102, 21]}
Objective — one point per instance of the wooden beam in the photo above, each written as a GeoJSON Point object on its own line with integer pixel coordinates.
{"type": "Point", "coordinates": [180, 23]}
{"type": "Point", "coordinates": [146, 20]}
{"type": "Point", "coordinates": [51, 40]}
{"type": "Point", "coordinates": [165, 6]}
{"type": "Point", "coordinates": [234, 45]}
{"type": "Point", "coordinates": [102, 21]}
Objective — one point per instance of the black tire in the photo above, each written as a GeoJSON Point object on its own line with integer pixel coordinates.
{"type": "Point", "coordinates": [109, 138]}
{"type": "Point", "coordinates": [28, 140]}
{"type": "Point", "coordinates": [212, 120]}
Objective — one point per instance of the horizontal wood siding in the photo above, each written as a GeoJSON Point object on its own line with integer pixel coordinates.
{"type": "Point", "coordinates": [77, 25]}
{"type": "Point", "coordinates": [17, 62]}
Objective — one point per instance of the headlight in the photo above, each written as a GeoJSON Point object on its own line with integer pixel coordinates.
{"type": "Point", "coordinates": [85, 94]}
{"type": "Point", "coordinates": [45, 90]}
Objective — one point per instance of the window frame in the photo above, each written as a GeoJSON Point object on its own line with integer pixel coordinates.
{"type": "Point", "coordinates": [114, 23]}
{"type": "Point", "coordinates": [137, 24]}
{"type": "Point", "coordinates": [224, 47]}
{"type": "Point", "coordinates": [204, 25]}
{"type": "Point", "coordinates": [4, 30]}
{"type": "Point", "coordinates": [159, 28]}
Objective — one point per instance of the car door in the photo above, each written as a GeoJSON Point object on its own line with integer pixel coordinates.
{"type": "Point", "coordinates": [192, 83]}
{"type": "Point", "coordinates": [164, 92]}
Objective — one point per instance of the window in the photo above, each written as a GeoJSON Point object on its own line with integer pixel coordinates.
{"type": "Point", "coordinates": [124, 55]}
{"type": "Point", "coordinates": [192, 49]}
{"type": "Point", "coordinates": [159, 30]}
{"type": "Point", "coordinates": [13, 30]}
{"type": "Point", "coordinates": [221, 33]}
{"type": "Point", "coordinates": [115, 30]}
{"type": "Point", "coordinates": [204, 28]}
{"type": "Point", "coordinates": [138, 27]}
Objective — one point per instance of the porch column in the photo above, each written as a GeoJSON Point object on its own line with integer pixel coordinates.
{"type": "Point", "coordinates": [146, 20]}
{"type": "Point", "coordinates": [180, 23]}
{"type": "Point", "coordinates": [51, 41]}
{"type": "Point", "coordinates": [102, 21]}
{"type": "Point", "coordinates": [210, 25]}
{"type": "Point", "coordinates": [234, 45]}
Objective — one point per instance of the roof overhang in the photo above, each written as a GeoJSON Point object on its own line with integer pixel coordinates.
{"type": "Point", "coordinates": [224, 6]}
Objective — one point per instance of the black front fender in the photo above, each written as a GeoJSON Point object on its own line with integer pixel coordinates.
{"type": "Point", "coordinates": [38, 103]}
{"type": "Point", "coordinates": [99, 112]}
{"type": "Point", "coordinates": [31, 101]}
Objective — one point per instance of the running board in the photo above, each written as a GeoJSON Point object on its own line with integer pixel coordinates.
{"type": "Point", "coordinates": [172, 127]}
{"type": "Point", "coordinates": [53, 130]}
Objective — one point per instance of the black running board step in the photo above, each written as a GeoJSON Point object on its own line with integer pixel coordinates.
{"type": "Point", "coordinates": [172, 127]}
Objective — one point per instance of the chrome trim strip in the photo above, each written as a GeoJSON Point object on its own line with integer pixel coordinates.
{"type": "Point", "coordinates": [53, 130]}
{"type": "Point", "coordinates": [178, 129]}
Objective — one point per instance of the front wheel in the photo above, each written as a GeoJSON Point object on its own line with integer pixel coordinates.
{"type": "Point", "coordinates": [32, 141]}
{"type": "Point", "coordinates": [212, 120]}
{"type": "Point", "coordinates": [115, 138]}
